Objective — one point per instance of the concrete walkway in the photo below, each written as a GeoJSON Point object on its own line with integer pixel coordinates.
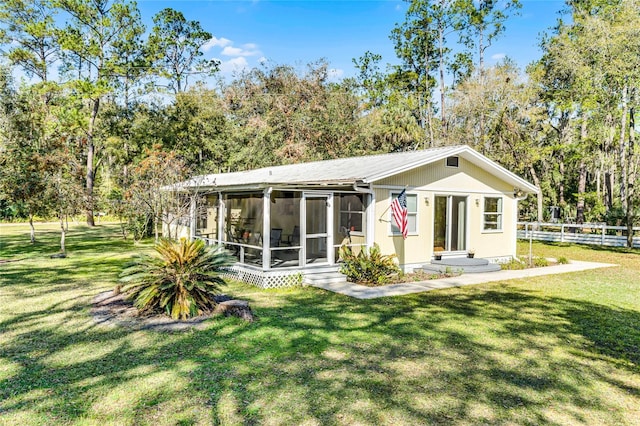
{"type": "Point", "coordinates": [364, 292]}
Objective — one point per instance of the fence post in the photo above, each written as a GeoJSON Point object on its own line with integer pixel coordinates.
{"type": "Point", "coordinates": [562, 233]}
{"type": "Point", "coordinates": [604, 230]}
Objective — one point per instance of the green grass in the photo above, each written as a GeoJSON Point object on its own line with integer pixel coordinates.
{"type": "Point", "coordinates": [558, 349]}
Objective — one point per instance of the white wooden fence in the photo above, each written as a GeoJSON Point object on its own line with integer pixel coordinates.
{"type": "Point", "coordinates": [587, 233]}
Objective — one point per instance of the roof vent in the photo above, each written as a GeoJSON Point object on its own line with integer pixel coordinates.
{"type": "Point", "coordinates": [452, 161]}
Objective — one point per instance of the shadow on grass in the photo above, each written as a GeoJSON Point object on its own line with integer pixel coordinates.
{"type": "Point", "coordinates": [489, 354]}
{"type": "Point", "coordinates": [79, 240]}
{"type": "Point", "coordinates": [478, 356]}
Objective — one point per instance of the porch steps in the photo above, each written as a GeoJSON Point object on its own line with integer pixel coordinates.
{"type": "Point", "coordinates": [464, 265]}
{"type": "Point", "coordinates": [326, 277]}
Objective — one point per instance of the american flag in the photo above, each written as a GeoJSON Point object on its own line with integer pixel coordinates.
{"type": "Point", "coordinates": [399, 212]}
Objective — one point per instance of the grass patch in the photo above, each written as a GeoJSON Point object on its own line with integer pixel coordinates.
{"type": "Point", "coordinates": [561, 349]}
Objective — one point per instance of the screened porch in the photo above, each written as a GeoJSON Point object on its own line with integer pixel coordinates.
{"type": "Point", "coordinates": [283, 228]}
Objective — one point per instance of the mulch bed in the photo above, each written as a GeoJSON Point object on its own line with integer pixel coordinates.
{"type": "Point", "coordinates": [114, 309]}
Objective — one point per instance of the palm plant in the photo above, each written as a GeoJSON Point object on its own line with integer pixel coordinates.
{"type": "Point", "coordinates": [182, 279]}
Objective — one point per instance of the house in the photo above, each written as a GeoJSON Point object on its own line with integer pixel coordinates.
{"type": "Point", "coordinates": [284, 223]}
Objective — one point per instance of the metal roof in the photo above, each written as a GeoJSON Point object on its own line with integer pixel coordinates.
{"type": "Point", "coordinates": [348, 171]}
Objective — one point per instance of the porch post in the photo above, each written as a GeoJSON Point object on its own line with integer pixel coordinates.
{"type": "Point", "coordinates": [194, 219]}
{"type": "Point", "coordinates": [266, 229]}
{"type": "Point", "coordinates": [370, 217]}
{"type": "Point", "coordinates": [221, 214]}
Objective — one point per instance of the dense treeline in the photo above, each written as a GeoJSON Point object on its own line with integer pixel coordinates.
{"type": "Point", "coordinates": [114, 110]}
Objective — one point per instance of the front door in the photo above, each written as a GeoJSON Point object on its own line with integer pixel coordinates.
{"type": "Point", "coordinates": [317, 225]}
{"type": "Point", "coordinates": [450, 223]}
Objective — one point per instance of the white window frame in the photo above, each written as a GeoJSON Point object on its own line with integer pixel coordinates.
{"type": "Point", "coordinates": [362, 212]}
{"type": "Point", "coordinates": [393, 195]}
{"type": "Point", "coordinates": [499, 215]}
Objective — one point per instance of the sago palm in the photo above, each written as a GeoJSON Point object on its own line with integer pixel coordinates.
{"type": "Point", "coordinates": [182, 279]}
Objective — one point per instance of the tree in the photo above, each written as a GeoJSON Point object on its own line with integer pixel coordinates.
{"type": "Point", "coordinates": [414, 43]}
{"type": "Point", "coordinates": [279, 116]}
{"type": "Point", "coordinates": [174, 45]}
{"type": "Point", "coordinates": [592, 78]}
{"type": "Point", "coordinates": [478, 27]}
{"type": "Point", "coordinates": [150, 192]}
{"type": "Point", "coordinates": [198, 129]}
{"type": "Point", "coordinates": [91, 43]}
{"type": "Point", "coordinates": [23, 149]}
{"type": "Point", "coordinates": [30, 30]}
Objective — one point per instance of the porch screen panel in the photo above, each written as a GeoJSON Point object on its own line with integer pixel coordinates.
{"type": "Point", "coordinates": [207, 217]}
{"type": "Point", "coordinates": [349, 222]}
{"type": "Point", "coordinates": [243, 225]}
{"type": "Point", "coordinates": [284, 233]}
{"type": "Point", "coordinates": [243, 220]}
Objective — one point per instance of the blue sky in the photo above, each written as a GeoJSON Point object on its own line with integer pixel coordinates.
{"type": "Point", "coordinates": [298, 32]}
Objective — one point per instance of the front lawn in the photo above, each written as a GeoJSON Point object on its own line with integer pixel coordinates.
{"type": "Point", "coordinates": [561, 349]}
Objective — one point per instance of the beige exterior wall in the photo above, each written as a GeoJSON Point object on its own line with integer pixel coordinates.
{"type": "Point", "coordinates": [467, 180]}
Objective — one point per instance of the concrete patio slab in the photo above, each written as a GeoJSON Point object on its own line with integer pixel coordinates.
{"type": "Point", "coordinates": [363, 292]}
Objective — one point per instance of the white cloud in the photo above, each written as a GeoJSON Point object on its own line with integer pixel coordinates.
{"type": "Point", "coordinates": [498, 56]}
{"type": "Point", "coordinates": [237, 51]}
{"type": "Point", "coordinates": [222, 42]}
{"type": "Point", "coordinates": [233, 65]}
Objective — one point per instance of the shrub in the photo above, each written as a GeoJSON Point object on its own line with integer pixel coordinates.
{"type": "Point", "coordinates": [540, 261]}
{"type": "Point", "coordinates": [513, 264]}
{"type": "Point", "coordinates": [368, 266]}
{"type": "Point", "coordinates": [182, 279]}
{"type": "Point", "coordinates": [563, 260]}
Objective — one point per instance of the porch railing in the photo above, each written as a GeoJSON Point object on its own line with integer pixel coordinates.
{"type": "Point", "coordinates": [252, 254]}
{"type": "Point", "coordinates": [586, 233]}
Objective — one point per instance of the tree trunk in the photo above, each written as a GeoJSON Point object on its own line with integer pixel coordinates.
{"type": "Point", "coordinates": [90, 162]}
{"type": "Point", "coordinates": [33, 230]}
{"type": "Point", "coordinates": [155, 227]}
{"type": "Point", "coordinates": [582, 184]}
{"type": "Point", "coordinates": [609, 179]}
{"type": "Point", "coordinates": [582, 175]}
{"type": "Point", "coordinates": [63, 234]}
{"type": "Point", "coordinates": [443, 119]}
{"type": "Point", "coordinates": [631, 176]}
{"type": "Point", "coordinates": [622, 152]}
{"type": "Point", "coordinates": [561, 200]}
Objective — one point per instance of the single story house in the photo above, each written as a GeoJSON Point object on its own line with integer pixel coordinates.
{"type": "Point", "coordinates": [284, 223]}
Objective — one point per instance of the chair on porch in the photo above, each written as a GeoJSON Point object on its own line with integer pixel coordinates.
{"type": "Point", "coordinates": [275, 237]}
{"type": "Point", "coordinates": [294, 238]}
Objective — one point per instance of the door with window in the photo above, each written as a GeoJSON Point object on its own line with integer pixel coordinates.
{"type": "Point", "coordinates": [450, 223]}
{"type": "Point", "coordinates": [316, 232]}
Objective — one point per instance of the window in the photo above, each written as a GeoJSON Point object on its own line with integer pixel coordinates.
{"type": "Point", "coordinates": [452, 161]}
{"type": "Point", "coordinates": [492, 213]}
{"type": "Point", "coordinates": [351, 213]}
{"type": "Point", "coordinates": [412, 213]}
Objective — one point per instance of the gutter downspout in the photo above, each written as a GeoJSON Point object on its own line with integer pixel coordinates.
{"type": "Point", "coordinates": [369, 213]}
